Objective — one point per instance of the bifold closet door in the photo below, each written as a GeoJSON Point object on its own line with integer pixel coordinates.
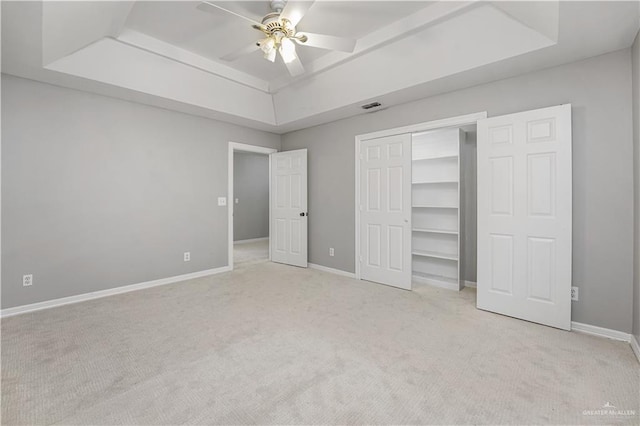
{"type": "Point", "coordinates": [524, 215]}
{"type": "Point", "coordinates": [289, 207]}
{"type": "Point", "coordinates": [385, 210]}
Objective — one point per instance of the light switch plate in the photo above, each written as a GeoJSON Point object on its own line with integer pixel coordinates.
{"type": "Point", "coordinates": [222, 201]}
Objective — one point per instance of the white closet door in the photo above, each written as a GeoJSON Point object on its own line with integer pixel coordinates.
{"type": "Point", "coordinates": [289, 207]}
{"type": "Point", "coordinates": [524, 215]}
{"type": "Point", "coordinates": [385, 211]}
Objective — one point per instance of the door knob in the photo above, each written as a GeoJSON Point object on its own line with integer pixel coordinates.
{"type": "Point", "coordinates": [304, 214]}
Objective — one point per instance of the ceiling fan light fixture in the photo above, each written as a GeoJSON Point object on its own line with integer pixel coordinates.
{"type": "Point", "coordinates": [267, 45]}
{"type": "Point", "coordinates": [271, 55]}
{"type": "Point", "coordinates": [287, 50]}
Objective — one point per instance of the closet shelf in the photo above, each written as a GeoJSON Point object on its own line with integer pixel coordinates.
{"type": "Point", "coordinates": [435, 231]}
{"type": "Point", "coordinates": [434, 182]}
{"type": "Point", "coordinates": [434, 207]}
{"type": "Point", "coordinates": [435, 255]}
{"type": "Point", "coordinates": [434, 277]}
{"type": "Point", "coordinates": [438, 157]}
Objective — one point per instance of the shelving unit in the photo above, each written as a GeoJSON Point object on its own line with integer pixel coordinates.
{"type": "Point", "coordinates": [436, 207]}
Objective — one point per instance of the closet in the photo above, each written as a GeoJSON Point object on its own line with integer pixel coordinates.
{"type": "Point", "coordinates": [436, 209]}
{"type": "Point", "coordinates": [416, 218]}
{"type": "Point", "coordinates": [475, 201]}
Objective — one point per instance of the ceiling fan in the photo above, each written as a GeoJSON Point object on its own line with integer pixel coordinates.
{"type": "Point", "coordinates": [281, 35]}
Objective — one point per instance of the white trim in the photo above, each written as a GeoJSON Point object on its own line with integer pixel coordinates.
{"type": "Point", "coordinates": [600, 331]}
{"type": "Point", "coordinates": [250, 240]}
{"type": "Point", "coordinates": [461, 120]}
{"type": "Point", "coordinates": [471, 284]}
{"type": "Point", "coordinates": [436, 283]}
{"type": "Point", "coordinates": [635, 346]}
{"type": "Point", "coordinates": [109, 292]}
{"type": "Point", "coordinates": [331, 270]}
{"type": "Point", "coordinates": [235, 146]}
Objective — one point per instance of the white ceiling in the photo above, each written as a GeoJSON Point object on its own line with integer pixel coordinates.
{"type": "Point", "coordinates": [167, 53]}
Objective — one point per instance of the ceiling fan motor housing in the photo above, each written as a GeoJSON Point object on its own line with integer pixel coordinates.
{"type": "Point", "coordinates": [273, 25]}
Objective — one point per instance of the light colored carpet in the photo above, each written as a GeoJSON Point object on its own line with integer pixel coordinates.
{"type": "Point", "coordinates": [269, 343]}
{"type": "Point", "coordinates": [254, 252]}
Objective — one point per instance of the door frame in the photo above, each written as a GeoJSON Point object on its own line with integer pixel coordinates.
{"type": "Point", "coordinates": [233, 147]}
{"type": "Point", "coordinates": [461, 120]}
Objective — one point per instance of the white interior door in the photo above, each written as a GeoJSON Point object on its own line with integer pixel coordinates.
{"type": "Point", "coordinates": [385, 210]}
{"type": "Point", "coordinates": [524, 215]}
{"type": "Point", "coordinates": [289, 207]}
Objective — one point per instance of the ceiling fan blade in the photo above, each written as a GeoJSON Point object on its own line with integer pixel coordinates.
{"type": "Point", "coordinates": [295, 67]}
{"type": "Point", "coordinates": [208, 6]}
{"type": "Point", "coordinates": [294, 10]}
{"type": "Point", "coordinates": [327, 42]}
{"type": "Point", "coordinates": [238, 53]}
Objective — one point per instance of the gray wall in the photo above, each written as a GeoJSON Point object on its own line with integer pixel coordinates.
{"type": "Point", "coordinates": [600, 91]}
{"type": "Point", "coordinates": [100, 193]}
{"type": "Point", "coordinates": [251, 189]}
{"type": "Point", "coordinates": [469, 203]}
{"type": "Point", "coordinates": [636, 169]}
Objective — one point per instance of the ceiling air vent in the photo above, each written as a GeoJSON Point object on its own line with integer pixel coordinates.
{"type": "Point", "coordinates": [371, 105]}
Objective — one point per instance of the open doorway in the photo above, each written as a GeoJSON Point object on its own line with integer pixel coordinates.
{"type": "Point", "coordinates": [249, 195]}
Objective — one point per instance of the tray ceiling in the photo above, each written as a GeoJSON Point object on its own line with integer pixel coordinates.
{"type": "Point", "coordinates": [167, 53]}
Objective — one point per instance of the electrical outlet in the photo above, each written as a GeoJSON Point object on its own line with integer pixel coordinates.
{"type": "Point", "coordinates": [237, 201]}
{"type": "Point", "coordinates": [27, 280]}
{"type": "Point", "coordinates": [574, 293]}
{"type": "Point", "coordinates": [222, 201]}
{"type": "Point", "coordinates": [187, 256]}
{"type": "Point", "coordinates": [331, 252]}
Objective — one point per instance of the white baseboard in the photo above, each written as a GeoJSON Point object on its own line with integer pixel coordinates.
{"type": "Point", "coordinates": [471, 284]}
{"type": "Point", "coordinates": [437, 283]}
{"type": "Point", "coordinates": [600, 331]}
{"type": "Point", "coordinates": [109, 292]}
{"type": "Point", "coordinates": [332, 270]}
{"type": "Point", "coordinates": [251, 240]}
{"type": "Point", "coordinates": [635, 346]}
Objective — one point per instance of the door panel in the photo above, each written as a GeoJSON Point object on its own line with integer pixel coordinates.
{"type": "Point", "coordinates": [541, 271]}
{"type": "Point", "coordinates": [289, 207]}
{"type": "Point", "coordinates": [525, 215]}
{"type": "Point", "coordinates": [385, 211]}
{"type": "Point", "coordinates": [541, 184]}
{"type": "Point", "coordinates": [501, 263]}
{"type": "Point", "coordinates": [373, 240]}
